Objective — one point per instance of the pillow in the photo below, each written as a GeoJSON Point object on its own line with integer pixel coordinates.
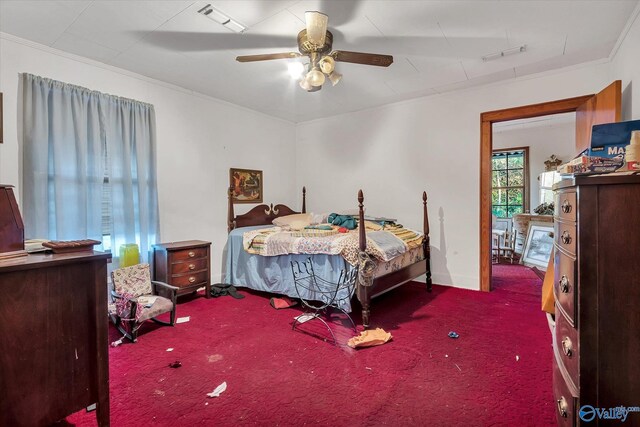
{"type": "Point", "coordinates": [293, 222]}
{"type": "Point", "coordinates": [318, 218]}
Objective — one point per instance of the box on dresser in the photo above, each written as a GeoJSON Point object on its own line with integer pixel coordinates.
{"type": "Point", "coordinates": [597, 291]}
{"type": "Point", "coordinates": [185, 264]}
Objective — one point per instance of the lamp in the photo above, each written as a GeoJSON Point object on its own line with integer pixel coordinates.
{"type": "Point", "coordinates": [318, 73]}
{"type": "Point", "coordinates": [304, 84]}
{"type": "Point", "coordinates": [327, 64]}
{"type": "Point", "coordinates": [296, 69]}
{"type": "Point", "coordinates": [335, 77]}
{"type": "Point", "coordinates": [315, 77]}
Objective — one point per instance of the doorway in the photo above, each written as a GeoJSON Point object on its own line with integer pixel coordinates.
{"type": "Point", "coordinates": [604, 107]}
{"type": "Point", "coordinates": [521, 194]}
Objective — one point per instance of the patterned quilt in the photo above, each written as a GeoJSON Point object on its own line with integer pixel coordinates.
{"type": "Point", "coordinates": [383, 244]}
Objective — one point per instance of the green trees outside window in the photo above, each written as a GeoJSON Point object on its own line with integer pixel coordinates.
{"type": "Point", "coordinates": [508, 182]}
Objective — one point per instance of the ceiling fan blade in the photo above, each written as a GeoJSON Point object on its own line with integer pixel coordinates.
{"type": "Point", "coordinates": [267, 56]}
{"type": "Point", "coordinates": [362, 58]}
{"type": "Point", "coordinates": [316, 27]}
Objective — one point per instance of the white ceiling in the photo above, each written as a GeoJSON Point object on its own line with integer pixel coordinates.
{"type": "Point", "coordinates": [437, 45]}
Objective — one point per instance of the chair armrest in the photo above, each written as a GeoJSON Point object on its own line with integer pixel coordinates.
{"type": "Point", "coordinates": [164, 289]}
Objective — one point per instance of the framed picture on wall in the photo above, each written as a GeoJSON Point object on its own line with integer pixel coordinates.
{"type": "Point", "coordinates": [538, 246]}
{"type": "Point", "coordinates": [246, 185]}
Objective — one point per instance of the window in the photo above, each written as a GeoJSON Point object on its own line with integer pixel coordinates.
{"type": "Point", "coordinates": [509, 182]}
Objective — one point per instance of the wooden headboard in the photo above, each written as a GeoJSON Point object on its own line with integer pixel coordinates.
{"type": "Point", "coordinates": [261, 214]}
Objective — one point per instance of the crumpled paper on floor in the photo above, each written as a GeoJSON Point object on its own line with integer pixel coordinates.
{"type": "Point", "coordinates": [370, 338]}
{"type": "Point", "coordinates": [219, 390]}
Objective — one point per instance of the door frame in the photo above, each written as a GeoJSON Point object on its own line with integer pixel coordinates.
{"type": "Point", "coordinates": [486, 146]}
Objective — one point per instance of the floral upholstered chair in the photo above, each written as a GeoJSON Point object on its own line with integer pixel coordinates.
{"type": "Point", "coordinates": [138, 299]}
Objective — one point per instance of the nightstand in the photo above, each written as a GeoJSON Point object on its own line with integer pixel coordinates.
{"type": "Point", "coordinates": [186, 265]}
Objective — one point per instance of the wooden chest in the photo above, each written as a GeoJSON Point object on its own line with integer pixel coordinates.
{"type": "Point", "coordinates": [186, 265]}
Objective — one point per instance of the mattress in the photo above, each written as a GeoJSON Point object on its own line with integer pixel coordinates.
{"type": "Point", "coordinates": [274, 274]}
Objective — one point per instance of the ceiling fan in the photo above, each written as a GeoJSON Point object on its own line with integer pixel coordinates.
{"type": "Point", "coordinates": [316, 42]}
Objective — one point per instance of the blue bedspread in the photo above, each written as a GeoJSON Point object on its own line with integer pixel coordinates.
{"type": "Point", "coordinates": [273, 273]}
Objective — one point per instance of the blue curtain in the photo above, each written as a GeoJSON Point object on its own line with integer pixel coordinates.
{"type": "Point", "coordinates": [73, 139]}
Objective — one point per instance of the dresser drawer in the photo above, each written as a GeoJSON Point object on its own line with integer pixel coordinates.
{"type": "Point", "coordinates": [565, 236]}
{"type": "Point", "coordinates": [186, 254]}
{"type": "Point", "coordinates": [182, 280]}
{"type": "Point", "coordinates": [190, 266]}
{"type": "Point", "coordinates": [567, 348]}
{"type": "Point", "coordinates": [564, 285]}
{"type": "Point", "coordinates": [565, 205]}
{"type": "Point", "coordinates": [565, 402]}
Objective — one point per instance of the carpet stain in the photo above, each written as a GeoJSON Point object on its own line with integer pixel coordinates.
{"type": "Point", "coordinates": [214, 358]}
{"type": "Point", "coordinates": [159, 392]}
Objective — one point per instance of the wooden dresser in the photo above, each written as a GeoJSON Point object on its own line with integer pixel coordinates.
{"type": "Point", "coordinates": [596, 339]}
{"type": "Point", "coordinates": [54, 358]}
{"type": "Point", "coordinates": [186, 265]}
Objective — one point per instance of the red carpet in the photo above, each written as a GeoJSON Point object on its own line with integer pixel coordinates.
{"type": "Point", "coordinates": [498, 372]}
{"type": "Point", "coordinates": [516, 278]}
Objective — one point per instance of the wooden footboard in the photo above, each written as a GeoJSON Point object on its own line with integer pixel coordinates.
{"type": "Point", "coordinates": [398, 277]}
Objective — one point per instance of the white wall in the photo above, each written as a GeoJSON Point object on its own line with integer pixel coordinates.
{"type": "Point", "coordinates": [626, 67]}
{"type": "Point", "coordinates": [396, 151]}
{"type": "Point", "coordinates": [392, 152]}
{"type": "Point", "coordinates": [543, 141]}
{"type": "Point", "coordinates": [199, 139]}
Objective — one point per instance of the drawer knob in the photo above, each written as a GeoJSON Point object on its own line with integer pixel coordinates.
{"type": "Point", "coordinates": [192, 279]}
{"type": "Point", "coordinates": [191, 254]}
{"type": "Point", "coordinates": [192, 266]}
{"type": "Point", "coordinates": [563, 406]}
{"type": "Point", "coordinates": [566, 206]}
{"type": "Point", "coordinates": [566, 237]}
{"type": "Point", "coordinates": [567, 347]}
{"type": "Point", "coordinates": [564, 284]}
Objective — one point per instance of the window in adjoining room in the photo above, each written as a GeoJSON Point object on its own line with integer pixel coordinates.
{"type": "Point", "coordinates": [509, 170]}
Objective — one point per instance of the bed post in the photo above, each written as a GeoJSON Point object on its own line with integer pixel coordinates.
{"type": "Point", "coordinates": [426, 242]}
{"type": "Point", "coordinates": [363, 291]}
{"type": "Point", "coordinates": [304, 199]}
{"type": "Point", "coordinates": [230, 215]}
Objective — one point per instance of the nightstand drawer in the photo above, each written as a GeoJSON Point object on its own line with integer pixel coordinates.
{"type": "Point", "coordinates": [565, 236]}
{"type": "Point", "coordinates": [187, 254]}
{"type": "Point", "coordinates": [190, 266]}
{"type": "Point", "coordinates": [565, 205]}
{"type": "Point", "coordinates": [181, 280]}
{"type": "Point", "coordinates": [567, 348]}
{"type": "Point", "coordinates": [564, 285]}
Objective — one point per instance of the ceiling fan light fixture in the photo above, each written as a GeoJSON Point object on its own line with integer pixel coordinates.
{"type": "Point", "coordinates": [335, 77]}
{"type": "Point", "coordinates": [316, 27]}
{"type": "Point", "coordinates": [327, 64]}
{"type": "Point", "coordinates": [315, 77]}
{"type": "Point", "coordinates": [304, 84]}
{"type": "Point", "coordinates": [296, 69]}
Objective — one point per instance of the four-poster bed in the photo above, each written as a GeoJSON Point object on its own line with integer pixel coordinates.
{"type": "Point", "coordinates": [273, 273]}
